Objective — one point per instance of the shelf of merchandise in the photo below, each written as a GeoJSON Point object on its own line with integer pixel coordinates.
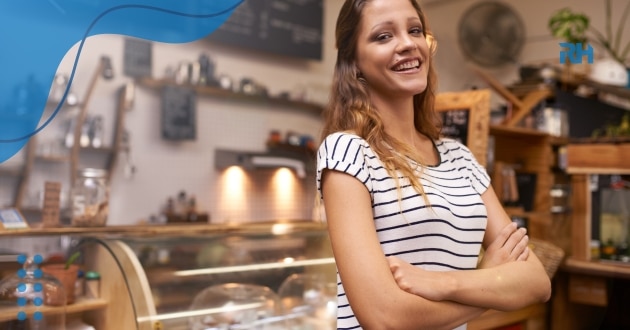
{"type": "Point", "coordinates": [532, 152]}
{"type": "Point", "coordinates": [312, 108]}
{"type": "Point", "coordinates": [74, 152]}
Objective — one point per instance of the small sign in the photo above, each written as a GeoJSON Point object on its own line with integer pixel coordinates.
{"type": "Point", "coordinates": [11, 218]}
{"type": "Point", "coordinates": [179, 114]}
{"type": "Point", "coordinates": [50, 210]}
{"type": "Point", "coordinates": [137, 58]}
{"type": "Point", "coordinates": [455, 125]}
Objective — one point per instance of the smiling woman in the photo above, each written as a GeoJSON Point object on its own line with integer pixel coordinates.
{"type": "Point", "coordinates": [409, 210]}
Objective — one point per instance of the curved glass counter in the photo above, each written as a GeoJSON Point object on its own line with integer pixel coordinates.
{"type": "Point", "coordinates": [247, 276]}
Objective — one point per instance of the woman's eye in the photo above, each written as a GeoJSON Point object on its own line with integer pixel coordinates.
{"type": "Point", "coordinates": [416, 30]}
{"type": "Point", "coordinates": [382, 36]}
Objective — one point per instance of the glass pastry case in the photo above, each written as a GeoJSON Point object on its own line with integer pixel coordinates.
{"type": "Point", "coordinates": [246, 276]}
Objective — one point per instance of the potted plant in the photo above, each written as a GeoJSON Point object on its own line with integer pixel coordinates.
{"type": "Point", "coordinates": [575, 27]}
{"type": "Point", "coordinates": [66, 273]}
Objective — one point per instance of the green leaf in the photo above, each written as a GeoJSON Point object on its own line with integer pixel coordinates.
{"type": "Point", "coordinates": [570, 26]}
{"type": "Point", "coordinates": [72, 259]}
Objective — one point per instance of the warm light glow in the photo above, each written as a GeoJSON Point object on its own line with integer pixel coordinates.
{"type": "Point", "coordinates": [284, 190]}
{"type": "Point", "coordinates": [281, 228]}
{"type": "Point", "coordinates": [288, 260]}
{"type": "Point", "coordinates": [234, 185]}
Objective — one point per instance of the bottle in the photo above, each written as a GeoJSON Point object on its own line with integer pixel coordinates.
{"type": "Point", "coordinates": [595, 248]}
{"type": "Point", "coordinates": [93, 284]}
{"type": "Point", "coordinates": [79, 288]}
{"type": "Point", "coordinates": [181, 205]}
{"type": "Point", "coordinates": [191, 213]}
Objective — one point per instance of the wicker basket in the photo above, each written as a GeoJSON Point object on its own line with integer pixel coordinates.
{"type": "Point", "coordinates": [550, 255]}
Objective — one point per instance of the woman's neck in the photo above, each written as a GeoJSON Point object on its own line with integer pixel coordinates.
{"type": "Point", "coordinates": [398, 118]}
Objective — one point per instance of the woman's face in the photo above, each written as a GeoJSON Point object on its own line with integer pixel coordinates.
{"type": "Point", "coordinates": [392, 52]}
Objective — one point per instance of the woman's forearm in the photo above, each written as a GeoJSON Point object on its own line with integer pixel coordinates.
{"type": "Point", "coordinates": [509, 286]}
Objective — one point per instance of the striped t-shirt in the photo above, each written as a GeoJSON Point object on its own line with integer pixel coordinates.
{"type": "Point", "coordinates": [445, 237]}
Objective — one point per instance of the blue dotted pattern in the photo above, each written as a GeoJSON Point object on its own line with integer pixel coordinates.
{"type": "Point", "coordinates": [37, 287]}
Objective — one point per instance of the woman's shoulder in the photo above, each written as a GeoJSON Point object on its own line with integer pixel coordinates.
{"type": "Point", "coordinates": [346, 138]}
{"type": "Point", "coordinates": [451, 146]}
{"type": "Point", "coordinates": [341, 144]}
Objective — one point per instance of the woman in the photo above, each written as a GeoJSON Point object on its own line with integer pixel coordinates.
{"type": "Point", "coordinates": [408, 211]}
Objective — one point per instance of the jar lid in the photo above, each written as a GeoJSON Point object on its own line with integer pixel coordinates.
{"type": "Point", "coordinates": [92, 275]}
{"type": "Point", "coordinates": [93, 173]}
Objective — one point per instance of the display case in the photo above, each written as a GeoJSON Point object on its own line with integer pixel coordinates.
{"type": "Point", "coordinates": [278, 275]}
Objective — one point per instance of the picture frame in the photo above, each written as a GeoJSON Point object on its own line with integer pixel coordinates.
{"type": "Point", "coordinates": [466, 118]}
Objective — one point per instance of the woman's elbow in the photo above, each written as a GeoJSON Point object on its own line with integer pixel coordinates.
{"type": "Point", "coordinates": [545, 291]}
{"type": "Point", "coordinates": [539, 293]}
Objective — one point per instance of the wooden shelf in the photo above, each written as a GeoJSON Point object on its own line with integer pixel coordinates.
{"type": "Point", "coordinates": [600, 268]}
{"type": "Point", "coordinates": [312, 108]}
{"type": "Point", "coordinates": [53, 159]}
{"type": "Point", "coordinates": [598, 158]}
{"type": "Point", "coordinates": [501, 130]}
{"type": "Point", "coordinates": [185, 230]}
{"type": "Point", "coordinates": [67, 158]}
{"type": "Point", "coordinates": [10, 172]}
{"type": "Point", "coordinates": [80, 305]}
{"type": "Point", "coordinates": [615, 90]}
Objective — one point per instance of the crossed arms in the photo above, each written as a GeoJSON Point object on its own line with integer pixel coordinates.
{"type": "Point", "coordinates": [388, 293]}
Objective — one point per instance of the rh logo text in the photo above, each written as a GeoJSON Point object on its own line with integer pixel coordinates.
{"type": "Point", "coordinates": [575, 52]}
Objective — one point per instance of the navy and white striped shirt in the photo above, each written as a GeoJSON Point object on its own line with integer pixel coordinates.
{"type": "Point", "coordinates": [445, 237]}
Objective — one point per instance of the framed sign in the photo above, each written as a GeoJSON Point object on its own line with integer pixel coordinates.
{"type": "Point", "coordinates": [11, 218]}
{"type": "Point", "coordinates": [466, 118]}
{"type": "Point", "coordinates": [285, 27]}
{"type": "Point", "coordinates": [179, 113]}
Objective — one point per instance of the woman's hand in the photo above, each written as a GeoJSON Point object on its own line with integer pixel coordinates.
{"type": "Point", "coordinates": [510, 245]}
{"type": "Point", "coordinates": [427, 284]}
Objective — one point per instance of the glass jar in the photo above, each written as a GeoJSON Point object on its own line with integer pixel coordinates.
{"type": "Point", "coordinates": [90, 198]}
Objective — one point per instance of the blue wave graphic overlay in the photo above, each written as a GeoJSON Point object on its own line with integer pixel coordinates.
{"type": "Point", "coordinates": [37, 34]}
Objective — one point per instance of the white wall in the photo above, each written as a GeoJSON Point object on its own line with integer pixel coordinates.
{"type": "Point", "coordinates": [164, 168]}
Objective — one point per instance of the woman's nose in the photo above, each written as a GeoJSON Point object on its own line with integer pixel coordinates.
{"type": "Point", "coordinates": [406, 43]}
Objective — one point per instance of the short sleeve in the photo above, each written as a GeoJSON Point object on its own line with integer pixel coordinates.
{"type": "Point", "coordinates": [345, 153]}
{"type": "Point", "coordinates": [477, 174]}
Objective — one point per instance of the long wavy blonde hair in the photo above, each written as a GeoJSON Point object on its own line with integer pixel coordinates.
{"type": "Point", "coordinates": [349, 107]}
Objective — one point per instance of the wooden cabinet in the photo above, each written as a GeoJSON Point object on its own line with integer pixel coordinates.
{"type": "Point", "coordinates": [590, 293]}
{"type": "Point", "coordinates": [531, 152]}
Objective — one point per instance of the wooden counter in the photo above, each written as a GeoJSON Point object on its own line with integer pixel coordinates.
{"type": "Point", "coordinates": [598, 268]}
{"type": "Point", "coordinates": [172, 229]}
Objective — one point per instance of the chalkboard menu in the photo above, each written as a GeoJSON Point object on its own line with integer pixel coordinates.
{"type": "Point", "coordinates": [178, 113]}
{"type": "Point", "coordinates": [466, 118]}
{"type": "Point", "coordinates": [455, 124]}
{"type": "Point", "coordinates": [286, 27]}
